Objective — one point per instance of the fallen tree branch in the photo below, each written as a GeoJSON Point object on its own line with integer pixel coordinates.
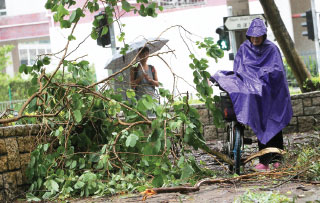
{"type": "Point", "coordinates": [196, 187]}
{"type": "Point", "coordinates": [264, 151]}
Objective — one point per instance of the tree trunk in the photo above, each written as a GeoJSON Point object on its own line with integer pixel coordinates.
{"type": "Point", "coordinates": [285, 42]}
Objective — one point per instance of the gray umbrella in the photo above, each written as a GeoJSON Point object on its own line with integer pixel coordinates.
{"type": "Point", "coordinates": [119, 61]}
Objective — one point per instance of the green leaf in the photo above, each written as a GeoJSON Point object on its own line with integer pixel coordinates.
{"type": "Point", "coordinates": [77, 115]}
{"type": "Point", "coordinates": [46, 60]}
{"type": "Point", "coordinates": [131, 140]}
{"type": "Point", "coordinates": [52, 186]}
{"type": "Point", "coordinates": [32, 161]}
{"type": "Point", "coordinates": [181, 161]}
{"type": "Point", "coordinates": [104, 30]}
{"type": "Point", "coordinates": [141, 107]}
{"type": "Point", "coordinates": [74, 164]}
{"type": "Point", "coordinates": [71, 37]}
{"type": "Point", "coordinates": [157, 181]}
{"type": "Point", "coordinates": [187, 171]}
{"type": "Point", "coordinates": [61, 11]}
{"type": "Point", "coordinates": [23, 68]}
{"type": "Point", "coordinates": [157, 145]}
{"type": "Point", "coordinates": [94, 34]}
{"type": "Point", "coordinates": [147, 104]}
{"type": "Point", "coordinates": [79, 185]}
{"type": "Point", "coordinates": [65, 24]}
{"type": "Point", "coordinates": [82, 163]}
{"type": "Point", "coordinates": [73, 16]}
{"type": "Point", "coordinates": [125, 5]}
{"type": "Point", "coordinates": [31, 197]}
{"type": "Point", "coordinates": [46, 146]}
{"type": "Point", "coordinates": [130, 93]}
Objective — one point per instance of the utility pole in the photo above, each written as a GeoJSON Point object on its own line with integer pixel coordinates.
{"type": "Point", "coordinates": [239, 8]}
{"type": "Point", "coordinates": [113, 44]}
{"type": "Point", "coordinates": [316, 37]}
{"type": "Point", "coordinates": [232, 35]}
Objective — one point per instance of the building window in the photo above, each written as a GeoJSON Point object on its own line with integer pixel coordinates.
{"type": "Point", "coordinates": [3, 10]}
{"type": "Point", "coordinates": [29, 51]}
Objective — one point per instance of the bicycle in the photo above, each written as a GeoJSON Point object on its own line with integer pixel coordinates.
{"type": "Point", "coordinates": [233, 145]}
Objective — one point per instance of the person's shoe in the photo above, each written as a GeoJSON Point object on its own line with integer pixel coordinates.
{"type": "Point", "coordinates": [261, 167]}
{"type": "Point", "coordinates": [276, 165]}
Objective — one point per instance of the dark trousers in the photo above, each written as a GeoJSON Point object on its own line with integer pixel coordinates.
{"type": "Point", "coordinates": [276, 141]}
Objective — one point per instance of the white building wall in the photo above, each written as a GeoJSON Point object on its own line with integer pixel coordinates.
{"type": "Point", "coordinates": [19, 7]}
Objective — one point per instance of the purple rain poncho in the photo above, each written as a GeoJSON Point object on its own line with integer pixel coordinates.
{"type": "Point", "coordinates": [257, 86]}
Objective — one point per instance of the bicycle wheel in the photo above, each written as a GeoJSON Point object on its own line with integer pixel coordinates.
{"type": "Point", "coordinates": [237, 149]}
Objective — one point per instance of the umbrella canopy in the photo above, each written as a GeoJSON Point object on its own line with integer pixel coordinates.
{"type": "Point", "coordinates": [119, 61]}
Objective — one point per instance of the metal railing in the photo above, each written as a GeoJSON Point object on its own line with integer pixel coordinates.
{"type": "Point", "coordinates": [309, 58]}
{"type": "Point", "coordinates": [13, 105]}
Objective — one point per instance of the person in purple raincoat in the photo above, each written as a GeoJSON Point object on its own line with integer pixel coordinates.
{"type": "Point", "coordinates": [259, 90]}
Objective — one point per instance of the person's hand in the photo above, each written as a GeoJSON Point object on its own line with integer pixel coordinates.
{"type": "Point", "coordinates": [147, 77]}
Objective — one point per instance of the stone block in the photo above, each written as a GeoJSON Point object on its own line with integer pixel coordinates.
{"type": "Point", "coordinates": [9, 131]}
{"type": "Point", "coordinates": [21, 144]}
{"type": "Point", "coordinates": [221, 130]}
{"type": "Point", "coordinates": [306, 123]}
{"type": "Point", "coordinates": [297, 107]}
{"type": "Point", "coordinates": [307, 102]}
{"type": "Point", "coordinates": [10, 180]}
{"type": "Point", "coordinates": [21, 130]}
{"type": "Point", "coordinates": [3, 163]}
{"type": "Point", "coordinates": [19, 178]}
{"type": "Point", "coordinates": [24, 159]}
{"type": "Point", "coordinates": [29, 143]}
{"type": "Point", "coordinates": [10, 185]}
{"type": "Point", "coordinates": [210, 132]}
{"type": "Point", "coordinates": [24, 177]}
{"type": "Point", "coordinates": [3, 149]}
{"type": "Point", "coordinates": [34, 129]}
{"type": "Point", "coordinates": [316, 101]}
{"type": "Point", "coordinates": [290, 129]}
{"type": "Point", "coordinates": [317, 121]}
{"type": "Point", "coordinates": [1, 181]}
{"type": "Point", "coordinates": [13, 153]}
{"type": "Point", "coordinates": [223, 136]}
{"type": "Point", "coordinates": [204, 116]}
{"type": "Point", "coordinates": [313, 110]}
{"type": "Point", "coordinates": [294, 121]}
{"type": "Point", "coordinates": [2, 197]}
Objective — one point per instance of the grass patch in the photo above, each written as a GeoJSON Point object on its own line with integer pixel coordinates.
{"type": "Point", "coordinates": [251, 196]}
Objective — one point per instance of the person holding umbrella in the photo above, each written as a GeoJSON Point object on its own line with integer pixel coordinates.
{"type": "Point", "coordinates": [143, 78]}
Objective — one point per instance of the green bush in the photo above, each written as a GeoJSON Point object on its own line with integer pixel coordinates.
{"type": "Point", "coordinates": [4, 57]}
{"type": "Point", "coordinates": [312, 85]}
{"type": "Point", "coordinates": [19, 87]}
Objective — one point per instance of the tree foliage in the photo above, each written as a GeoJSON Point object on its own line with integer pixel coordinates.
{"type": "Point", "coordinates": [99, 143]}
{"type": "Point", "coordinates": [4, 58]}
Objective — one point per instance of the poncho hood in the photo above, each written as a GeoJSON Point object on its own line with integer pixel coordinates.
{"type": "Point", "coordinates": [258, 87]}
{"type": "Point", "coordinates": [257, 28]}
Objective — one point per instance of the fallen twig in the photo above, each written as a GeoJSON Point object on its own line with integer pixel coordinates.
{"type": "Point", "coordinates": [196, 187]}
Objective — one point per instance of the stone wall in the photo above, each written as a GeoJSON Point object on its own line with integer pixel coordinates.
{"type": "Point", "coordinates": [16, 143]}
{"type": "Point", "coordinates": [306, 117]}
